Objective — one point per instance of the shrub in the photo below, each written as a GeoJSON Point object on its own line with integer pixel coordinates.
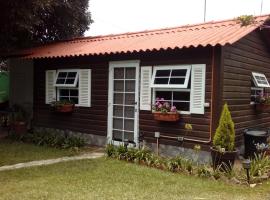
{"type": "Point", "coordinates": [175, 164]}
{"type": "Point", "coordinates": [203, 171]}
{"type": "Point", "coordinates": [259, 165]}
{"type": "Point", "coordinates": [110, 150]}
{"type": "Point", "coordinates": [53, 139]}
{"type": "Point", "coordinates": [225, 134]}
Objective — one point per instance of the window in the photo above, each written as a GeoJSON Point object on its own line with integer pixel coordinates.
{"type": "Point", "coordinates": [66, 78]}
{"type": "Point", "coordinates": [258, 83]}
{"type": "Point", "coordinates": [69, 94]}
{"type": "Point", "coordinates": [173, 84]}
{"type": "Point", "coordinates": [260, 80]}
{"type": "Point", "coordinates": [69, 84]}
{"type": "Point", "coordinates": [171, 77]}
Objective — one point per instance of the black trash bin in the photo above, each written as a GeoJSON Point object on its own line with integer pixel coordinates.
{"type": "Point", "coordinates": [253, 137]}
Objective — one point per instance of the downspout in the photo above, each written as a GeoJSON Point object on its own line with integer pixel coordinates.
{"type": "Point", "coordinates": [211, 111]}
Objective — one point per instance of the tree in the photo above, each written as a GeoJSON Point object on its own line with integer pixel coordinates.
{"type": "Point", "coordinates": [31, 22]}
{"type": "Point", "coordinates": [225, 133]}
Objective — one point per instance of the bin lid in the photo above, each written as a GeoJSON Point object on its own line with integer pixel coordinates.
{"type": "Point", "coordinates": [256, 133]}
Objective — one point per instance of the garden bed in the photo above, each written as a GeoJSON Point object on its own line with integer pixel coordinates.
{"type": "Point", "coordinates": [259, 172]}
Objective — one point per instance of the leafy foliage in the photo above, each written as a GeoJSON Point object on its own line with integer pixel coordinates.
{"type": "Point", "coordinates": [246, 20]}
{"type": "Point", "coordinates": [52, 139]}
{"type": "Point", "coordinates": [259, 165]}
{"type": "Point", "coordinates": [225, 134]}
{"type": "Point", "coordinates": [32, 22]}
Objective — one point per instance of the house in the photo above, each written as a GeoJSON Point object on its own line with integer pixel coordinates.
{"type": "Point", "coordinates": [115, 79]}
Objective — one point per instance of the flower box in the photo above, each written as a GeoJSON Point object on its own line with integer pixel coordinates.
{"type": "Point", "coordinates": [168, 116]}
{"type": "Point", "coordinates": [68, 108]}
{"type": "Point", "coordinates": [260, 107]}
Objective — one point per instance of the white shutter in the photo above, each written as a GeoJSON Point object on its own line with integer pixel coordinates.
{"type": "Point", "coordinates": [85, 87]}
{"type": "Point", "coordinates": [145, 89]}
{"type": "Point", "coordinates": [197, 89]}
{"type": "Point", "coordinates": [50, 89]}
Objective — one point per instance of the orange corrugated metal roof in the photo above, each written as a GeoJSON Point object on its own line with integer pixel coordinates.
{"type": "Point", "coordinates": [210, 33]}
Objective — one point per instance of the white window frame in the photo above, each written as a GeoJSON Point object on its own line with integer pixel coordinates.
{"type": "Point", "coordinates": [68, 88]}
{"type": "Point", "coordinates": [67, 85]}
{"type": "Point", "coordinates": [172, 90]}
{"type": "Point", "coordinates": [254, 74]}
{"type": "Point", "coordinates": [171, 86]}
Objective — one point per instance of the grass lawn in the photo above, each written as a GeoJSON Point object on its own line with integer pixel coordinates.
{"type": "Point", "coordinates": [111, 179]}
{"type": "Point", "coordinates": [16, 152]}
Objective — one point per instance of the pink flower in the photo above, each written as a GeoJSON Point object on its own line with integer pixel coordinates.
{"type": "Point", "coordinates": [160, 106]}
{"type": "Point", "coordinates": [173, 109]}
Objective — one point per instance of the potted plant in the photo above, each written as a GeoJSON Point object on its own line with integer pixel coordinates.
{"type": "Point", "coordinates": [19, 120]}
{"type": "Point", "coordinates": [223, 150]}
{"type": "Point", "coordinates": [163, 111]}
{"type": "Point", "coordinates": [262, 103]}
{"type": "Point", "coordinates": [62, 106]}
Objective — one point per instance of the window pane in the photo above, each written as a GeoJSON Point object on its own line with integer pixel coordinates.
{"type": "Point", "coordinates": [63, 98]}
{"type": "Point", "coordinates": [70, 81]}
{"type": "Point", "coordinates": [161, 81]}
{"type": "Point", "coordinates": [60, 81]}
{"type": "Point", "coordinates": [129, 125]}
{"type": "Point", "coordinates": [129, 111]}
{"type": "Point", "coordinates": [74, 100]}
{"type": "Point", "coordinates": [62, 74]}
{"type": "Point", "coordinates": [72, 74]}
{"type": "Point", "coordinates": [130, 73]}
{"type": "Point", "coordinates": [129, 99]}
{"type": "Point", "coordinates": [74, 92]}
{"type": "Point", "coordinates": [129, 136]}
{"type": "Point", "coordinates": [181, 96]}
{"type": "Point", "coordinates": [167, 95]}
{"type": "Point", "coordinates": [117, 135]}
{"type": "Point", "coordinates": [118, 111]}
{"type": "Point", "coordinates": [177, 81]}
{"type": "Point", "coordinates": [118, 123]}
{"type": "Point", "coordinates": [119, 86]}
{"type": "Point", "coordinates": [130, 86]}
{"type": "Point", "coordinates": [118, 98]}
{"type": "Point", "coordinates": [182, 106]}
{"type": "Point", "coordinates": [64, 92]}
{"type": "Point", "coordinates": [179, 72]}
{"type": "Point", "coordinates": [160, 73]}
{"type": "Point", "coordinates": [118, 73]}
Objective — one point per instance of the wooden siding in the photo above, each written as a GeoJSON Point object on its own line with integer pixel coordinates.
{"type": "Point", "coordinates": [91, 120]}
{"type": "Point", "coordinates": [200, 123]}
{"type": "Point", "coordinates": [94, 120]}
{"type": "Point", "coordinates": [247, 55]}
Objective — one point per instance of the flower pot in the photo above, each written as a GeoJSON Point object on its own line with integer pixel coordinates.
{"type": "Point", "coordinates": [20, 127]}
{"type": "Point", "coordinates": [169, 116]}
{"type": "Point", "coordinates": [262, 107]}
{"type": "Point", "coordinates": [67, 108]}
{"type": "Point", "coordinates": [223, 159]}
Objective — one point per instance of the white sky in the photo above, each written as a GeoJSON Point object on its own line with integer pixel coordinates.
{"type": "Point", "coordinates": [119, 16]}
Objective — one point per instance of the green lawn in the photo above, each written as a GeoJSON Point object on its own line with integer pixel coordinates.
{"type": "Point", "coordinates": [16, 152]}
{"type": "Point", "coordinates": [111, 179]}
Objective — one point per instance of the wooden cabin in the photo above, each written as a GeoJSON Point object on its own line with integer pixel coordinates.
{"type": "Point", "coordinates": [115, 79]}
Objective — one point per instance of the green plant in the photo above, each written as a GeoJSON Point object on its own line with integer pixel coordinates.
{"type": "Point", "coordinates": [175, 164]}
{"type": "Point", "coordinates": [110, 150]}
{"type": "Point", "coordinates": [246, 20]}
{"type": "Point", "coordinates": [203, 171]}
{"type": "Point", "coordinates": [224, 139]}
{"type": "Point", "coordinates": [53, 139]}
{"type": "Point", "coordinates": [141, 154]}
{"type": "Point", "coordinates": [120, 152]}
{"type": "Point", "coordinates": [217, 172]}
{"type": "Point", "coordinates": [61, 103]}
{"type": "Point", "coordinates": [131, 154]}
{"type": "Point", "coordinates": [259, 165]}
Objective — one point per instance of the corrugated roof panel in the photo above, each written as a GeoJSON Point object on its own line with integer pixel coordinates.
{"type": "Point", "coordinates": [211, 33]}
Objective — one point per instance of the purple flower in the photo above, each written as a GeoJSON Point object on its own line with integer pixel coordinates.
{"type": "Point", "coordinates": [173, 109]}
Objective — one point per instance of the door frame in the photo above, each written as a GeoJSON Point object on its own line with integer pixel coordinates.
{"type": "Point", "coordinates": [119, 64]}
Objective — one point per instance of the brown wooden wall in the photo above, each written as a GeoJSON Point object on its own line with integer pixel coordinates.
{"type": "Point", "coordinates": [94, 120]}
{"type": "Point", "coordinates": [248, 54]}
{"type": "Point", "coordinates": [91, 120]}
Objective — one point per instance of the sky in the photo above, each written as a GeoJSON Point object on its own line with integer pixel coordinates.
{"type": "Point", "coordinates": [120, 16]}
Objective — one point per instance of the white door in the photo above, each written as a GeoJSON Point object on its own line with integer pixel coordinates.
{"type": "Point", "coordinates": [123, 102]}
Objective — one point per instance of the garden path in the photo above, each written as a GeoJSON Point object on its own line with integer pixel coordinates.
{"type": "Point", "coordinates": [91, 155]}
